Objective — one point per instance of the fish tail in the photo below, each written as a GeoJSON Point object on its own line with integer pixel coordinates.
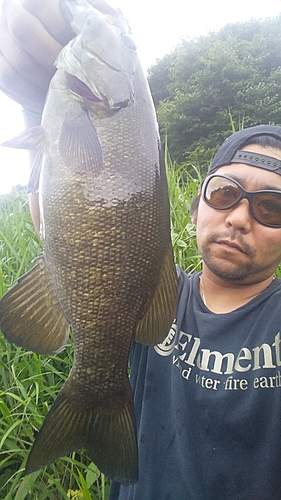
{"type": "Point", "coordinates": [106, 432]}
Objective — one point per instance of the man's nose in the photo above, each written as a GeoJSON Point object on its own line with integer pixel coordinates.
{"type": "Point", "coordinates": [239, 217]}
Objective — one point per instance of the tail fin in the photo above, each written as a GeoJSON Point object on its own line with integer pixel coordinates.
{"type": "Point", "coordinates": [108, 433]}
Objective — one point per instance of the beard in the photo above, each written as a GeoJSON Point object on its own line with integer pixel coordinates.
{"type": "Point", "coordinates": [230, 272]}
{"type": "Point", "coordinates": [231, 268]}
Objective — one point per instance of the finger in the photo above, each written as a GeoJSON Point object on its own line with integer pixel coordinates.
{"type": "Point", "coordinates": [31, 35]}
{"type": "Point", "coordinates": [22, 62]}
{"type": "Point", "coordinates": [19, 89]}
{"type": "Point", "coordinates": [50, 15]}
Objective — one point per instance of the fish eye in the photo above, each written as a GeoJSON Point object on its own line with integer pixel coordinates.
{"type": "Point", "coordinates": [128, 40]}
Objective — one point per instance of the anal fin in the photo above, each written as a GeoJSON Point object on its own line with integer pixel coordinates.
{"type": "Point", "coordinates": [30, 314]}
{"type": "Point", "coordinates": [155, 324]}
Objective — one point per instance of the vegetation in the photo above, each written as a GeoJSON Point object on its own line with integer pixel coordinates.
{"type": "Point", "coordinates": [237, 70]}
{"type": "Point", "coordinates": [184, 182]}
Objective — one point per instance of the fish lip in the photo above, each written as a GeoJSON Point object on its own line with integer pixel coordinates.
{"type": "Point", "coordinates": [230, 244]}
{"type": "Point", "coordinates": [80, 88]}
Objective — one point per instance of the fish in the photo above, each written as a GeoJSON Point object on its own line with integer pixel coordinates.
{"type": "Point", "coordinates": [107, 269]}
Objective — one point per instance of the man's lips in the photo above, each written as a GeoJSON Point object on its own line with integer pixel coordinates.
{"type": "Point", "coordinates": [230, 245]}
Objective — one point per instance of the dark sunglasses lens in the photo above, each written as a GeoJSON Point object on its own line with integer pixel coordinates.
{"type": "Point", "coordinates": [267, 208]}
{"type": "Point", "coordinates": [221, 193]}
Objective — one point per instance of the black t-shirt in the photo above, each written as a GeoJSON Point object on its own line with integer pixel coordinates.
{"type": "Point", "coordinates": [208, 403]}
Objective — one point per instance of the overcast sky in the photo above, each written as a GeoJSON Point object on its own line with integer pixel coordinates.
{"type": "Point", "coordinates": [157, 27]}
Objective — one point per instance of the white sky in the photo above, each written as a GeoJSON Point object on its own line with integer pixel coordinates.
{"type": "Point", "coordinates": [157, 26]}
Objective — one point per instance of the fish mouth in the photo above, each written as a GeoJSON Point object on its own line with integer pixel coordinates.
{"type": "Point", "coordinates": [80, 88]}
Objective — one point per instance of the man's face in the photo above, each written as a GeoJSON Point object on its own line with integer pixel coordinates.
{"type": "Point", "coordinates": [234, 246]}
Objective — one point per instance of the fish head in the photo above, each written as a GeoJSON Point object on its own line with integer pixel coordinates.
{"type": "Point", "coordinates": [101, 61]}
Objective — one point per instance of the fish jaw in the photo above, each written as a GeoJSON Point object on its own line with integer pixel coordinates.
{"type": "Point", "coordinates": [105, 63]}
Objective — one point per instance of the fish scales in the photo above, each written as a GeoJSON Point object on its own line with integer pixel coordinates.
{"type": "Point", "coordinates": [107, 264]}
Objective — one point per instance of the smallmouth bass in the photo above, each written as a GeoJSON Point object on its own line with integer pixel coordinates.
{"type": "Point", "coordinates": [107, 269]}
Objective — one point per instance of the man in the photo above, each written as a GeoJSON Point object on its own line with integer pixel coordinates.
{"type": "Point", "coordinates": [207, 399]}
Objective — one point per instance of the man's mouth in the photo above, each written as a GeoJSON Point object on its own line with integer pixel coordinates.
{"type": "Point", "coordinates": [230, 246]}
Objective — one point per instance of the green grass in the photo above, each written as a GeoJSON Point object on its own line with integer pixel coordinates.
{"type": "Point", "coordinates": [30, 383]}
{"type": "Point", "coordinates": [183, 188]}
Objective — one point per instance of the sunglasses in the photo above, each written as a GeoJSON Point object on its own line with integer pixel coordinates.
{"type": "Point", "coordinates": [222, 193]}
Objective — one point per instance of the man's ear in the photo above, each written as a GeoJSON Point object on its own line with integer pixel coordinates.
{"type": "Point", "coordinates": [194, 216]}
{"type": "Point", "coordinates": [194, 208]}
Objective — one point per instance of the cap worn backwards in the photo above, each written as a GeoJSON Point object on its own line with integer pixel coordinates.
{"type": "Point", "coordinates": [230, 151]}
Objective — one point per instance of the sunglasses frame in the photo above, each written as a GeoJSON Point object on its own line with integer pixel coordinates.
{"type": "Point", "coordinates": [248, 195]}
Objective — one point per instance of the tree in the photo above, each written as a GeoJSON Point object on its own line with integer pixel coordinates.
{"type": "Point", "coordinates": [235, 72]}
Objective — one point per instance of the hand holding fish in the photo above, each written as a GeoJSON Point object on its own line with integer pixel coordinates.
{"type": "Point", "coordinates": [27, 62]}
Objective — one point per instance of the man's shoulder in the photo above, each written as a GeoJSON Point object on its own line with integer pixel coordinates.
{"type": "Point", "coordinates": [186, 278]}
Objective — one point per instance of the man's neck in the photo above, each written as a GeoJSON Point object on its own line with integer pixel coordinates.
{"type": "Point", "coordinates": [221, 296]}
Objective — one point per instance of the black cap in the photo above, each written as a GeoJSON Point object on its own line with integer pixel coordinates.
{"type": "Point", "coordinates": [230, 151]}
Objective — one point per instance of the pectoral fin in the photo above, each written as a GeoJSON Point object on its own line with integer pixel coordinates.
{"type": "Point", "coordinates": [31, 138]}
{"type": "Point", "coordinates": [30, 314]}
{"type": "Point", "coordinates": [79, 145]}
{"type": "Point", "coordinates": [155, 324]}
